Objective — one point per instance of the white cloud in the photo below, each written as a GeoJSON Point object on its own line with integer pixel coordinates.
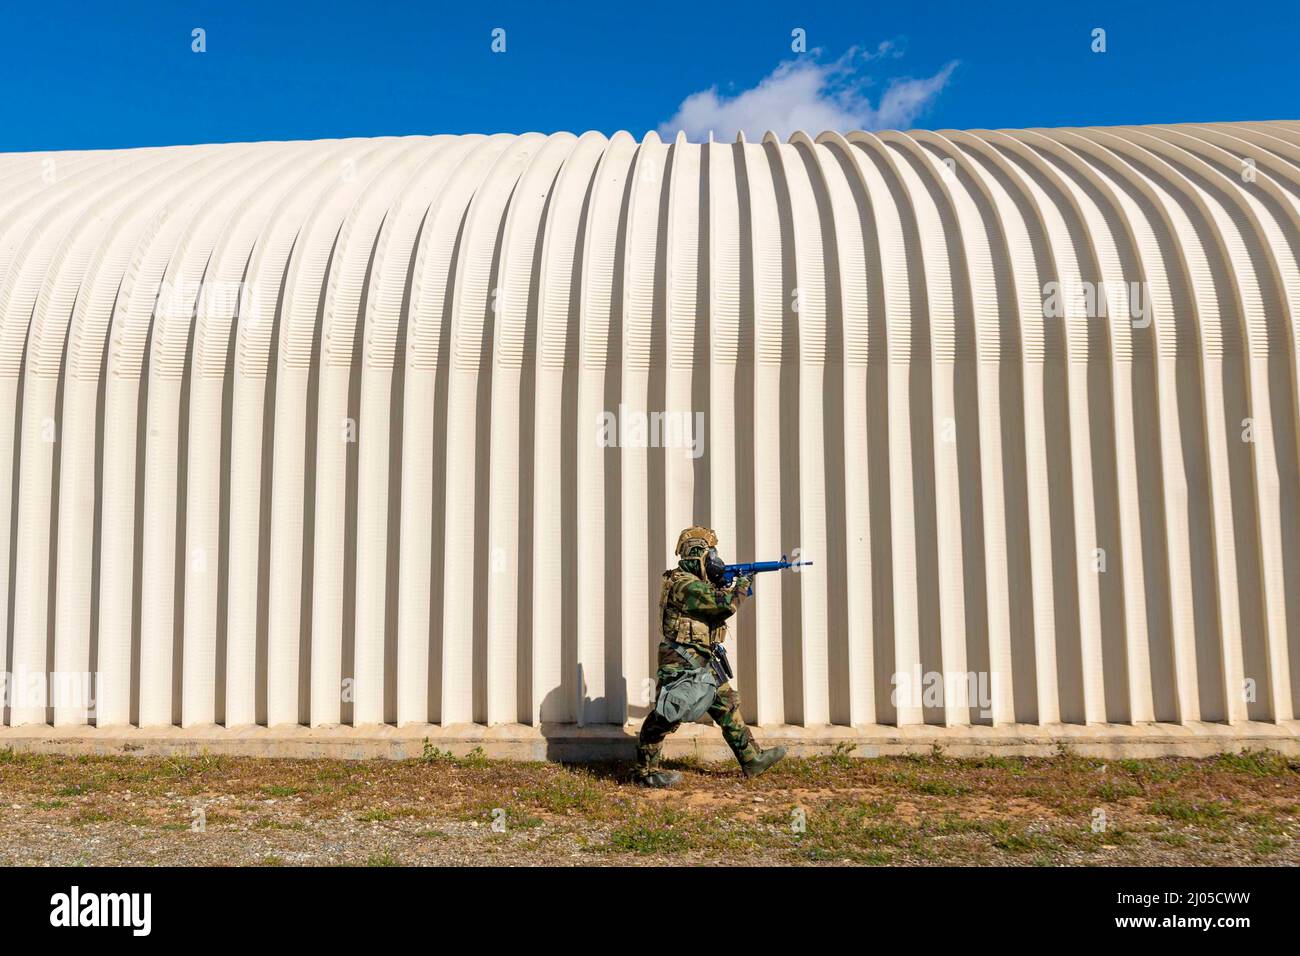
{"type": "Point", "coordinates": [806, 94]}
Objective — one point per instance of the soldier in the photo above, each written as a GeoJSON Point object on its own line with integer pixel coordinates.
{"type": "Point", "coordinates": [693, 607]}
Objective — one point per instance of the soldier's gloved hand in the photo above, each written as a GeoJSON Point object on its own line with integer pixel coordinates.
{"type": "Point", "coordinates": [742, 584]}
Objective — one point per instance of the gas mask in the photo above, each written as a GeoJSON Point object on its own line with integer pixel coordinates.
{"type": "Point", "coordinates": [713, 567]}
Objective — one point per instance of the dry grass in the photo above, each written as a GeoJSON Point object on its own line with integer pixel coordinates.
{"type": "Point", "coordinates": [1238, 809]}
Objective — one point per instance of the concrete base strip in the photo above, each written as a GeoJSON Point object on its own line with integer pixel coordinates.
{"type": "Point", "coordinates": [570, 743]}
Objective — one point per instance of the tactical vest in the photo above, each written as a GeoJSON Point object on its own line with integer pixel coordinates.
{"type": "Point", "coordinates": [677, 627]}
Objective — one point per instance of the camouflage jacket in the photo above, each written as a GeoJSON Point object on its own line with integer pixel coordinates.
{"type": "Point", "coordinates": [693, 613]}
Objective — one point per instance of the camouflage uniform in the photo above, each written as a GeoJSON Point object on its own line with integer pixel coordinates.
{"type": "Point", "coordinates": [693, 613]}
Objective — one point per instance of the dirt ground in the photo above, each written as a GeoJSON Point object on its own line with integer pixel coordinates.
{"type": "Point", "coordinates": [440, 810]}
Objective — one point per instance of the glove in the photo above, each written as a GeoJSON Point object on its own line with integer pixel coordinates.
{"type": "Point", "coordinates": [742, 584]}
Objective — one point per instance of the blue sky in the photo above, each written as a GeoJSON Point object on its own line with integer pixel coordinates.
{"type": "Point", "coordinates": [82, 75]}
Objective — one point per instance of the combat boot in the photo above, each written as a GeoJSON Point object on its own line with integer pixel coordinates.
{"type": "Point", "coordinates": [764, 760]}
{"type": "Point", "coordinates": [659, 779]}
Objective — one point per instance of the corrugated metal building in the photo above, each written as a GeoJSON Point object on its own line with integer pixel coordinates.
{"type": "Point", "coordinates": [403, 430]}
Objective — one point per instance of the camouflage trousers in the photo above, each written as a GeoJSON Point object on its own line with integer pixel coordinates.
{"type": "Point", "coordinates": [725, 711]}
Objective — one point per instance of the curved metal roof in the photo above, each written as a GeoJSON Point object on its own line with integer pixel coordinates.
{"type": "Point", "coordinates": [280, 415]}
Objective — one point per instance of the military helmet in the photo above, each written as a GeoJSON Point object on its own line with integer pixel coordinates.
{"type": "Point", "coordinates": [698, 547]}
{"type": "Point", "coordinates": [694, 538]}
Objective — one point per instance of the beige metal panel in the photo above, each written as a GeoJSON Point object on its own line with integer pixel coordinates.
{"type": "Point", "coordinates": [382, 414]}
{"type": "Point", "coordinates": [1241, 241]}
{"type": "Point", "coordinates": [249, 490]}
{"type": "Point", "coordinates": [35, 236]}
{"type": "Point", "coordinates": [1218, 325]}
{"type": "Point", "coordinates": [808, 295]}
{"type": "Point", "coordinates": [681, 359]}
{"type": "Point", "coordinates": [466, 548]}
{"type": "Point", "coordinates": [1266, 211]}
{"type": "Point", "coordinates": [849, 570]}
{"type": "Point", "coordinates": [1276, 209]}
{"type": "Point", "coordinates": [55, 254]}
{"type": "Point", "coordinates": [1135, 203]}
{"type": "Point", "coordinates": [204, 554]}
{"type": "Point", "coordinates": [554, 557]}
{"type": "Point", "coordinates": [321, 315]}
{"type": "Point", "coordinates": [510, 496]}
{"type": "Point", "coordinates": [624, 197]}
{"type": "Point", "coordinates": [53, 319]}
{"type": "Point", "coordinates": [838, 308]}
{"type": "Point", "coordinates": [721, 224]}
{"type": "Point", "coordinates": [123, 532]}
{"type": "Point", "coordinates": [941, 499]}
{"type": "Point", "coordinates": [766, 458]}
{"type": "Point", "coordinates": [163, 474]}
{"type": "Point", "coordinates": [1017, 218]}
{"type": "Point", "coordinates": [322, 324]}
{"type": "Point", "coordinates": [81, 433]}
{"type": "Point", "coordinates": [420, 583]}
{"type": "Point", "coordinates": [969, 196]}
{"type": "Point", "coordinates": [642, 554]}
{"type": "Point", "coordinates": [1129, 700]}
{"type": "Point", "coordinates": [874, 165]}
{"type": "Point", "coordinates": [1060, 217]}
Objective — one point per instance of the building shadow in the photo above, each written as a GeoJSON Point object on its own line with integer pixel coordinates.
{"type": "Point", "coordinates": [604, 750]}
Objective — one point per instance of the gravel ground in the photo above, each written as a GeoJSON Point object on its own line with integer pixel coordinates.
{"type": "Point", "coordinates": [209, 811]}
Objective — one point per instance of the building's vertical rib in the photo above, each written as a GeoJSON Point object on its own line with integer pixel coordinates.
{"type": "Point", "coordinates": [124, 650]}
{"type": "Point", "coordinates": [1029, 264]}
{"type": "Point", "coordinates": [848, 345]}
{"type": "Point", "coordinates": [168, 432]}
{"type": "Point", "coordinates": [809, 365]}
{"type": "Point", "coordinates": [680, 231]}
{"type": "Point", "coordinates": [554, 555]}
{"type": "Point", "coordinates": [1218, 353]}
{"type": "Point", "coordinates": [465, 554]}
{"type": "Point", "coordinates": [1129, 700]}
{"type": "Point", "coordinates": [724, 320]}
{"type": "Point", "coordinates": [991, 639]}
{"type": "Point", "coordinates": [424, 416]}
{"type": "Point", "coordinates": [250, 461]}
{"type": "Point", "coordinates": [609, 230]}
{"type": "Point", "coordinates": [515, 301]}
{"type": "Point", "coordinates": [1148, 281]}
{"type": "Point", "coordinates": [1084, 678]}
{"type": "Point", "coordinates": [764, 458]}
{"type": "Point", "coordinates": [873, 163]}
{"type": "Point", "coordinates": [329, 322]}
{"type": "Point", "coordinates": [53, 258]}
{"type": "Point", "coordinates": [1256, 294]}
{"type": "Point", "coordinates": [933, 269]}
{"type": "Point", "coordinates": [1270, 186]}
{"type": "Point", "coordinates": [626, 426]}
{"type": "Point", "coordinates": [321, 289]}
{"type": "Point", "coordinates": [225, 287]}
{"type": "Point", "coordinates": [404, 205]}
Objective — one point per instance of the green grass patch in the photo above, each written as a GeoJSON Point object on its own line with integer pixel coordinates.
{"type": "Point", "coordinates": [1112, 791]}
{"type": "Point", "coordinates": [1188, 811]}
{"type": "Point", "coordinates": [1256, 763]}
{"type": "Point", "coordinates": [940, 788]}
{"type": "Point", "coordinates": [567, 793]}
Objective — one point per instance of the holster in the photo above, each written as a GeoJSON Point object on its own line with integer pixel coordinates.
{"type": "Point", "coordinates": [720, 664]}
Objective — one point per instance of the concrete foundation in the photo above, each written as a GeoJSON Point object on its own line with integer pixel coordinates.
{"type": "Point", "coordinates": [569, 743]}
